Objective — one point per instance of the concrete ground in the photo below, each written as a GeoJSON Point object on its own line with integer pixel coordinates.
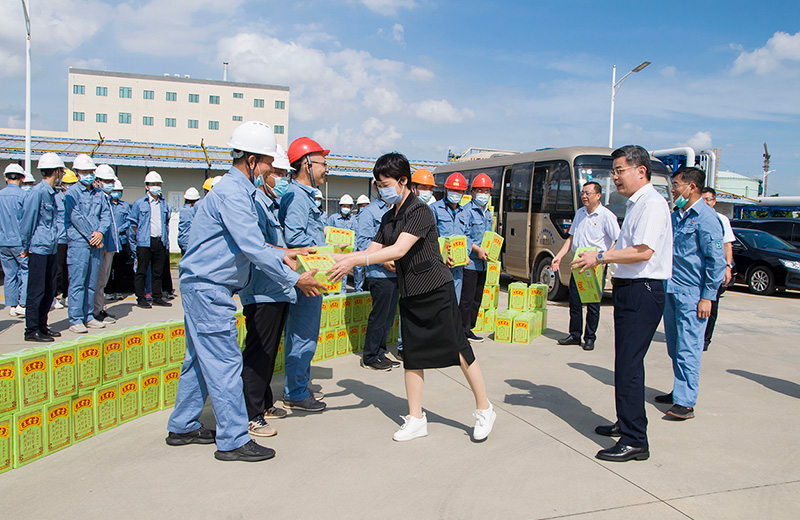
{"type": "Point", "coordinates": [738, 459]}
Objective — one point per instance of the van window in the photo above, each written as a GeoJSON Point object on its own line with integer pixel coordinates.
{"type": "Point", "coordinates": [559, 188]}
{"type": "Point", "coordinates": [518, 187]}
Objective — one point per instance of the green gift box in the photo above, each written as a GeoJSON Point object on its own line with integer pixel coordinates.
{"type": "Point", "coordinates": [28, 438]}
{"type": "Point", "coordinates": [9, 386]}
{"type": "Point", "coordinates": [62, 371]}
{"type": "Point", "coordinates": [89, 352]}
{"type": "Point", "coordinates": [134, 360]}
{"type": "Point", "coordinates": [33, 385]}
{"type": "Point", "coordinates": [319, 353]}
{"type": "Point", "coordinates": [279, 358]}
{"type": "Point", "coordinates": [128, 399]}
{"type": "Point", "coordinates": [177, 341]}
{"type": "Point", "coordinates": [354, 336]}
{"type": "Point", "coordinates": [6, 446]}
{"type": "Point", "coordinates": [323, 318]}
{"type": "Point", "coordinates": [537, 296]}
{"type": "Point", "coordinates": [478, 322]}
{"type": "Point", "coordinates": [169, 385]}
{"type": "Point", "coordinates": [342, 342]}
{"type": "Point", "coordinates": [347, 310]}
{"type": "Point", "coordinates": [106, 407]}
{"type": "Point", "coordinates": [113, 357]}
{"type": "Point", "coordinates": [150, 392]}
{"type": "Point", "coordinates": [329, 348]}
{"type": "Point", "coordinates": [492, 273]}
{"type": "Point", "coordinates": [58, 425]}
{"type": "Point", "coordinates": [156, 346]}
{"type": "Point", "coordinates": [489, 318]}
{"type": "Point", "coordinates": [523, 328]}
{"type": "Point", "coordinates": [590, 283]}
{"type": "Point", "coordinates": [84, 422]}
{"type": "Point", "coordinates": [518, 296]}
{"type": "Point", "coordinates": [334, 311]}
{"type": "Point", "coordinates": [504, 325]}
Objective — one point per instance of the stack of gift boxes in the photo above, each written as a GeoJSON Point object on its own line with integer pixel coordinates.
{"type": "Point", "coordinates": [526, 316]}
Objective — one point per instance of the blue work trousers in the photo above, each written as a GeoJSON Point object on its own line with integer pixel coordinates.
{"type": "Point", "coordinates": [299, 344]}
{"type": "Point", "coordinates": [358, 277]}
{"type": "Point", "coordinates": [685, 333]}
{"type": "Point", "coordinates": [83, 263]}
{"type": "Point", "coordinates": [15, 269]}
{"type": "Point", "coordinates": [212, 367]}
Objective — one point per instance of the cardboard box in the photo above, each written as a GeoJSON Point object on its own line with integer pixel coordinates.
{"type": "Point", "coordinates": [323, 318]}
{"type": "Point", "coordinates": [58, 425]}
{"type": "Point", "coordinates": [33, 386]}
{"type": "Point", "coordinates": [90, 363]}
{"type": "Point", "coordinates": [367, 306]}
{"type": "Point", "coordinates": [342, 342]}
{"type": "Point", "coordinates": [492, 273]}
{"type": "Point", "coordinates": [106, 408]}
{"type": "Point", "coordinates": [492, 243]}
{"type": "Point", "coordinates": [496, 302]}
{"type": "Point", "coordinates": [537, 296]}
{"type": "Point", "coordinates": [240, 332]}
{"type": "Point", "coordinates": [362, 340]}
{"type": "Point", "coordinates": [504, 326]}
{"type": "Point", "coordinates": [489, 320]}
{"type": "Point", "coordinates": [84, 422]}
{"type": "Point", "coordinates": [444, 248]}
{"type": "Point", "coordinates": [156, 346]}
{"type": "Point", "coordinates": [347, 310]}
{"type": "Point", "coordinates": [62, 371]}
{"type": "Point", "coordinates": [358, 308]}
{"type": "Point", "coordinates": [150, 390]}
{"type": "Point", "coordinates": [177, 342]}
{"type": "Point", "coordinates": [322, 263]}
{"type": "Point", "coordinates": [339, 236]}
{"type": "Point", "coordinates": [134, 360]}
{"type": "Point", "coordinates": [329, 349]}
{"type": "Point", "coordinates": [113, 357]}
{"type": "Point", "coordinates": [9, 391]}
{"type": "Point", "coordinates": [518, 296]}
{"type": "Point", "coordinates": [523, 328]}
{"type": "Point", "coordinates": [169, 385]}
{"type": "Point", "coordinates": [319, 353]}
{"type": "Point", "coordinates": [589, 283]}
{"type": "Point", "coordinates": [478, 322]}
{"type": "Point", "coordinates": [334, 311]}
{"type": "Point", "coordinates": [128, 399]}
{"type": "Point", "coordinates": [458, 249]}
{"type": "Point", "coordinates": [354, 337]}
{"type": "Point", "coordinates": [28, 438]}
{"type": "Point", "coordinates": [487, 299]}
{"type": "Point", "coordinates": [6, 448]}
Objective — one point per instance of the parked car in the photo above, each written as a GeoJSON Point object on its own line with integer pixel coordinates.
{"type": "Point", "coordinates": [787, 229]}
{"type": "Point", "coordinates": [765, 262]}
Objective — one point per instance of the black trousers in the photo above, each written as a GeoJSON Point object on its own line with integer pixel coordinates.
{"type": "Point", "coordinates": [152, 257]}
{"type": "Point", "coordinates": [62, 285]}
{"type": "Point", "coordinates": [166, 276]}
{"type": "Point", "coordinates": [638, 309]}
{"type": "Point", "coordinates": [41, 291]}
{"type": "Point", "coordinates": [264, 323]}
{"type": "Point", "coordinates": [712, 319]}
{"type": "Point", "coordinates": [385, 294]}
{"type": "Point", "coordinates": [576, 315]}
{"type": "Point", "coordinates": [471, 295]}
{"type": "Point", "coordinates": [120, 272]}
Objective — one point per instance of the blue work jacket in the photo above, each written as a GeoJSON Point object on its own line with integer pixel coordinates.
{"type": "Point", "coordinates": [85, 211]}
{"type": "Point", "coordinates": [60, 229]}
{"type": "Point", "coordinates": [300, 217]}
{"type": "Point", "coordinates": [38, 227]}
{"type": "Point", "coordinates": [111, 242]}
{"type": "Point", "coordinates": [479, 221]}
{"type": "Point", "coordinates": [120, 210]}
{"type": "Point", "coordinates": [11, 199]}
{"type": "Point", "coordinates": [185, 224]}
{"type": "Point", "coordinates": [369, 220]}
{"type": "Point", "coordinates": [139, 221]}
{"type": "Point", "coordinates": [342, 222]}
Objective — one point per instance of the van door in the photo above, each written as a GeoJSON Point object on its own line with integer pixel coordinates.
{"type": "Point", "coordinates": [516, 220]}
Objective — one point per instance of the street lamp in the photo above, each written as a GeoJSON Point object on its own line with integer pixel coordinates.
{"type": "Point", "coordinates": [27, 89]}
{"type": "Point", "coordinates": [615, 86]}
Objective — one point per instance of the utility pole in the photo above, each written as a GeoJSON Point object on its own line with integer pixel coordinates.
{"type": "Point", "coordinates": [27, 89]}
{"type": "Point", "coordinates": [766, 168]}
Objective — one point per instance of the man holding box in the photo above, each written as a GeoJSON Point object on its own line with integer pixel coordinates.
{"type": "Point", "coordinates": [451, 219]}
{"type": "Point", "coordinates": [643, 258]}
{"type": "Point", "coordinates": [594, 225]}
{"type": "Point", "coordinates": [344, 219]}
{"type": "Point", "coordinates": [479, 221]}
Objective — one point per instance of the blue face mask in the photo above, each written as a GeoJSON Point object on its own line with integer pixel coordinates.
{"type": "Point", "coordinates": [389, 194]}
{"type": "Point", "coordinates": [259, 181]}
{"type": "Point", "coordinates": [108, 187]}
{"type": "Point", "coordinates": [425, 195]}
{"type": "Point", "coordinates": [116, 195]}
{"type": "Point", "coordinates": [681, 202]}
{"type": "Point", "coordinates": [281, 185]}
{"type": "Point", "coordinates": [155, 190]}
{"type": "Point", "coordinates": [319, 202]}
{"type": "Point", "coordinates": [345, 211]}
{"type": "Point", "coordinates": [482, 199]}
{"type": "Point", "coordinates": [87, 179]}
{"type": "Point", "coordinates": [26, 187]}
{"type": "Point", "coordinates": [453, 197]}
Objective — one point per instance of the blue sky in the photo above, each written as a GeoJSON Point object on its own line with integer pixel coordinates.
{"type": "Point", "coordinates": [426, 76]}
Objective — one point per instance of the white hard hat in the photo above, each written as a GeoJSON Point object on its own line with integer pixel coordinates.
{"type": "Point", "coordinates": [49, 161]}
{"type": "Point", "coordinates": [282, 161]}
{"type": "Point", "coordinates": [28, 178]}
{"type": "Point", "coordinates": [317, 193]}
{"type": "Point", "coordinates": [191, 194]}
{"type": "Point", "coordinates": [216, 180]}
{"type": "Point", "coordinates": [105, 172]}
{"type": "Point", "coordinates": [117, 185]}
{"type": "Point", "coordinates": [362, 199]}
{"type": "Point", "coordinates": [346, 199]}
{"type": "Point", "coordinates": [83, 162]}
{"type": "Point", "coordinates": [153, 176]}
{"type": "Point", "coordinates": [254, 137]}
{"type": "Point", "coordinates": [14, 169]}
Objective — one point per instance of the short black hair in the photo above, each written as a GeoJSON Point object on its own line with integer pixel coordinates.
{"type": "Point", "coordinates": [597, 187]}
{"type": "Point", "coordinates": [635, 155]}
{"type": "Point", "coordinates": [692, 175]}
{"type": "Point", "coordinates": [709, 189]}
{"type": "Point", "coordinates": [394, 165]}
{"type": "Point", "coordinates": [49, 172]}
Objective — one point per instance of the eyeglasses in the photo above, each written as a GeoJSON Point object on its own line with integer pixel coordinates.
{"type": "Point", "coordinates": [676, 184]}
{"type": "Point", "coordinates": [324, 164]}
{"type": "Point", "coordinates": [589, 193]}
{"type": "Point", "coordinates": [618, 171]}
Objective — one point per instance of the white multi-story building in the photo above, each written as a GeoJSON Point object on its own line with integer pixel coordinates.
{"type": "Point", "coordinates": [170, 109]}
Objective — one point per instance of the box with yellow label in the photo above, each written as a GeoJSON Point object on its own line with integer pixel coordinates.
{"type": "Point", "coordinates": [113, 357]}
{"type": "Point", "coordinates": [489, 320]}
{"type": "Point", "coordinates": [522, 328]}
{"type": "Point", "coordinates": [492, 273]}
{"type": "Point", "coordinates": [33, 388]}
{"type": "Point", "coordinates": [358, 308]}
{"type": "Point", "coordinates": [542, 313]}
{"type": "Point", "coordinates": [9, 386]}
{"type": "Point", "coordinates": [156, 353]}
{"type": "Point", "coordinates": [334, 311]}
{"type": "Point", "coordinates": [339, 236]}
{"type": "Point", "coordinates": [62, 371]}
{"type": "Point", "coordinates": [367, 306]}
{"type": "Point", "coordinates": [478, 322]}
{"type": "Point", "coordinates": [362, 332]}
{"type": "Point", "coordinates": [444, 248]}
{"type": "Point", "coordinates": [537, 296]}
{"type": "Point", "coordinates": [58, 425]}
{"type": "Point", "coordinates": [458, 249]}
{"type": "Point", "coordinates": [177, 342]}
{"type": "Point", "coordinates": [150, 392]}
{"type": "Point", "coordinates": [342, 342]}
{"type": "Point", "coordinates": [590, 282]}
{"type": "Point", "coordinates": [492, 243]}
{"type": "Point", "coordinates": [504, 326]}
{"type": "Point", "coordinates": [319, 353]}
{"type": "Point", "coordinates": [354, 337]}
{"type": "Point", "coordinates": [394, 333]}
{"type": "Point", "coordinates": [169, 385]}
{"type": "Point", "coordinates": [487, 299]}
{"type": "Point", "coordinates": [128, 399]}
{"type": "Point", "coordinates": [134, 360]}
{"type": "Point", "coordinates": [279, 358]}
{"type": "Point", "coordinates": [496, 302]}
{"type": "Point", "coordinates": [323, 263]}
{"type": "Point", "coordinates": [89, 352]}
{"type": "Point", "coordinates": [323, 317]}
{"type": "Point", "coordinates": [347, 310]}
{"type": "Point", "coordinates": [28, 437]}
{"type": "Point", "coordinates": [329, 348]}
{"type": "Point", "coordinates": [518, 296]}
{"type": "Point", "coordinates": [84, 422]}
{"type": "Point", "coordinates": [6, 449]}
{"type": "Point", "coordinates": [106, 408]}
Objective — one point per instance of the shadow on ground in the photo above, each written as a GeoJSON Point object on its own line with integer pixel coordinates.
{"type": "Point", "coordinates": [775, 384]}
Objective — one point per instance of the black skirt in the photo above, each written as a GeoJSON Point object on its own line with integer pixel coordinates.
{"type": "Point", "coordinates": [433, 336]}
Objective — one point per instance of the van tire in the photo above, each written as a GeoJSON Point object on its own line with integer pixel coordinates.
{"type": "Point", "coordinates": [543, 274]}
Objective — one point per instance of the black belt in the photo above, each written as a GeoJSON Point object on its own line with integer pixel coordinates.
{"type": "Point", "coordinates": [621, 282]}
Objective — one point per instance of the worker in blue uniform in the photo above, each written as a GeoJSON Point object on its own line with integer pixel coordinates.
{"type": "Point", "coordinates": [39, 243]}
{"type": "Point", "coordinates": [344, 219]}
{"type": "Point", "coordinates": [15, 266]}
{"type": "Point", "coordinates": [303, 226]}
{"type": "Point", "coordinates": [224, 242]}
{"type": "Point", "coordinates": [87, 218]}
{"type": "Point", "coordinates": [185, 216]}
{"type": "Point", "coordinates": [111, 244]}
{"type": "Point", "coordinates": [120, 269]}
{"type": "Point", "coordinates": [358, 272]}
{"type": "Point", "coordinates": [451, 219]}
{"type": "Point", "coordinates": [62, 277]}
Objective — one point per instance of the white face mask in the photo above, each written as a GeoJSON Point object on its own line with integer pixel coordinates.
{"type": "Point", "coordinates": [425, 195]}
{"type": "Point", "coordinates": [345, 211]}
{"type": "Point", "coordinates": [482, 199]}
{"type": "Point", "coordinates": [453, 197]}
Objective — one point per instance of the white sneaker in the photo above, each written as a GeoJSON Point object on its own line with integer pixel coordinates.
{"type": "Point", "coordinates": [109, 297]}
{"type": "Point", "coordinates": [412, 428]}
{"type": "Point", "coordinates": [94, 324]}
{"type": "Point", "coordinates": [484, 421]}
{"type": "Point", "coordinates": [57, 304]}
{"type": "Point", "coordinates": [12, 311]}
{"type": "Point", "coordinates": [78, 328]}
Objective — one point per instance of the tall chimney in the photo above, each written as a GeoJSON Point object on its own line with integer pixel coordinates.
{"type": "Point", "coordinates": [224, 71]}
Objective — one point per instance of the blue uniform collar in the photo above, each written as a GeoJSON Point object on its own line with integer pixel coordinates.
{"type": "Point", "coordinates": [381, 203]}
{"type": "Point", "coordinates": [47, 187]}
{"type": "Point", "coordinates": [307, 189]}
{"type": "Point", "coordinates": [240, 179]}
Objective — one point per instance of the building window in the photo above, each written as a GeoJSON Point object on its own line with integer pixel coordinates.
{"type": "Point", "coordinates": [101, 91]}
{"type": "Point", "coordinates": [213, 100]}
{"type": "Point", "coordinates": [125, 92]}
{"type": "Point", "coordinates": [194, 123]}
{"type": "Point", "coordinates": [172, 96]}
{"type": "Point", "coordinates": [238, 95]}
{"type": "Point", "coordinates": [280, 105]}
{"type": "Point", "coordinates": [237, 118]}
{"type": "Point", "coordinates": [194, 98]}
{"type": "Point", "coordinates": [78, 89]}
{"type": "Point", "coordinates": [278, 129]}
{"type": "Point", "coordinates": [101, 118]}
{"type": "Point", "coordinates": [148, 94]}
{"type": "Point", "coordinates": [213, 125]}
{"type": "Point", "coordinates": [125, 118]}
{"type": "Point", "coordinates": [77, 116]}
{"type": "Point", "coordinates": [258, 103]}
{"type": "Point", "coordinates": [170, 121]}
{"type": "Point", "coordinates": [147, 120]}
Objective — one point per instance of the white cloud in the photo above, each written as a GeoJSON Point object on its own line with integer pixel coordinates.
{"type": "Point", "coordinates": [388, 7]}
{"type": "Point", "coordinates": [668, 71]}
{"type": "Point", "coordinates": [699, 141]}
{"type": "Point", "coordinates": [440, 111]}
{"type": "Point", "coordinates": [11, 65]}
{"type": "Point", "coordinates": [374, 137]}
{"type": "Point", "coordinates": [782, 47]}
{"type": "Point", "coordinates": [421, 74]}
{"type": "Point", "coordinates": [382, 101]}
{"type": "Point", "coordinates": [94, 63]}
{"type": "Point", "coordinates": [398, 34]}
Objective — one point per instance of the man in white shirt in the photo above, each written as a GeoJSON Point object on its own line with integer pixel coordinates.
{"type": "Point", "coordinates": [594, 225]}
{"type": "Point", "coordinates": [710, 196]}
{"type": "Point", "coordinates": [643, 259]}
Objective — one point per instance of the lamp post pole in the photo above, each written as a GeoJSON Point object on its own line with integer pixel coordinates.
{"type": "Point", "coordinates": [27, 89]}
{"type": "Point", "coordinates": [615, 86]}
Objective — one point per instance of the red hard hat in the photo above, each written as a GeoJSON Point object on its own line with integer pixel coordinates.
{"type": "Point", "coordinates": [482, 181]}
{"type": "Point", "coordinates": [456, 181]}
{"type": "Point", "coordinates": [303, 146]}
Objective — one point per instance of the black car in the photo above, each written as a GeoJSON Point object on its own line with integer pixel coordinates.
{"type": "Point", "coordinates": [765, 262]}
{"type": "Point", "coordinates": [787, 229]}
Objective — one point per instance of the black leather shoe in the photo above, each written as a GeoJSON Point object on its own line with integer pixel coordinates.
{"type": "Point", "coordinates": [680, 412]}
{"type": "Point", "coordinates": [144, 304]}
{"type": "Point", "coordinates": [623, 453]}
{"type": "Point", "coordinates": [51, 333]}
{"type": "Point", "coordinates": [664, 399]}
{"type": "Point", "coordinates": [569, 340]}
{"type": "Point", "coordinates": [250, 452]}
{"type": "Point", "coordinates": [588, 344]}
{"type": "Point", "coordinates": [394, 364]}
{"type": "Point", "coordinates": [609, 430]}
{"type": "Point", "coordinates": [382, 364]}
{"type": "Point", "coordinates": [199, 436]}
{"type": "Point", "coordinates": [38, 337]}
{"type": "Point", "coordinates": [161, 303]}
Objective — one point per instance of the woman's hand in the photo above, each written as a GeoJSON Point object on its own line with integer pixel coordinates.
{"type": "Point", "coordinates": [344, 264]}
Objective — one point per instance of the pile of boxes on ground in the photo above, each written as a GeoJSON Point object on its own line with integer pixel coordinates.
{"type": "Point", "coordinates": [526, 316]}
